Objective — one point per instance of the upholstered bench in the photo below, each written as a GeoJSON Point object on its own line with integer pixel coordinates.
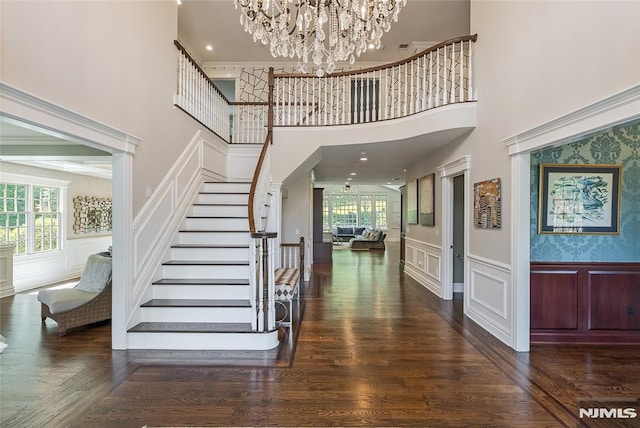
{"type": "Point", "coordinates": [287, 282]}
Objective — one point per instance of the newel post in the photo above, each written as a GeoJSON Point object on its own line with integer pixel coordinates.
{"type": "Point", "coordinates": [263, 295]}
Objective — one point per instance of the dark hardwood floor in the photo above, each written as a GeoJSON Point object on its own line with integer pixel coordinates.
{"type": "Point", "coordinates": [374, 348]}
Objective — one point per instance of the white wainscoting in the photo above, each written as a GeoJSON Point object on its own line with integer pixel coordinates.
{"type": "Point", "coordinates": [242, 160]}
{"type": "Point", "coordinates": [488, 300]}
{"type": "Point", "coordinates": [33, 271]}
{"type": "Point", "coordinates": [204, 159]}
{"type": "Point", "coordinates": [423, 262]}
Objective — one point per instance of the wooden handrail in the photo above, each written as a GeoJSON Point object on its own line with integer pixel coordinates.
{"type": "Point", "coordinates": [268, 140]}
{"type": "Point", "coordinates": [254, 181]}
{"type": "Point", "coordinates": [471, 38]}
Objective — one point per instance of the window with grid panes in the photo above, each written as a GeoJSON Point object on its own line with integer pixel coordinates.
{"type": "Point", "coordinates": [381, 211]}
{"type": "Point", "coordinates": [14, 215]}
{"type": "Point", "coordinates": [30, 217]}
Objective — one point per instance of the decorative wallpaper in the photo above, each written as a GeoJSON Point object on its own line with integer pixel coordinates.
{"type": "Point", "coordinates": [619, 146]}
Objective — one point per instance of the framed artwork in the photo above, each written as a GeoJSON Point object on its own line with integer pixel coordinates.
{"type": "Point", "coordinates": [427, 200]}
{"type": "Point", "coordinates": [412, 202]}
{"type": "Point", "coordinates": [579, 199]}
{"type": "Point", "coordinates": [487, 204]}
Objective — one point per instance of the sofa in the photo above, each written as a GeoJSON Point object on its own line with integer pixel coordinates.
{"type": "Point", "coordinates": [345, 233]}
{"type": "Point", "coordinates": [370, 239]}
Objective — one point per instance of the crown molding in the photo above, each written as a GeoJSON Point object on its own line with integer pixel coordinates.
{"type": "Point", "coordinates": [24, 109]}
{"type": "Point", "coordinates": [607, 113]}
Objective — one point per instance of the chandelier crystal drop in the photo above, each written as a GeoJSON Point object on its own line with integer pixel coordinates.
{"type": "Point", "coordinates": [322, 32]}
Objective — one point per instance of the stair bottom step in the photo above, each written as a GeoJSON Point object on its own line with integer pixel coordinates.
{"type": "Point", "coordinates": [191, 327]}
{"type": "Point", "coordinates": [197, 303]}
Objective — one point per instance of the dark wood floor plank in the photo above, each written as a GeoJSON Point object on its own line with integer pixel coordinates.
{"type": "Point", "coordinates": [374, 349]}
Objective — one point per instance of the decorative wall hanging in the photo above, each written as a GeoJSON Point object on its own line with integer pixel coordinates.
{"type": "Point", "coordinates": [92, 214]}
{"type": "Point", "coordinates": [487, 204]}
{"type": "Point", "coordinates": [412, 202]}
{"type": "Point", "coordinates": [579, 199]}
{"type": "Point", "coordinates": [427, 200]}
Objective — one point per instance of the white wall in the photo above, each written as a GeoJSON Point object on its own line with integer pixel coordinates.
{"type": "Point", "coordinates": [534, 61]}
{"type": "Point", "coordinates": [113, 61]}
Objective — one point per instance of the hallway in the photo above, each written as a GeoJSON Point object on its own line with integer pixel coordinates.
{"type": "Point", "coordinates": [374, 349]}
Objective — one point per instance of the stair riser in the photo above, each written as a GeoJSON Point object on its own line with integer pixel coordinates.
{"type": "Point", "coordinates": [209, 238]}
{"type": "Point", "coordinates": [223, 198]}
{"type": "Point", "coordinates": [215, 224]}
{"type": "Point", "coordinates": [214, 292]}
{"type": "Point", "coordinates": [219, 211]}
{"type": "Point", "coordinates": [205, 272]}
{"type": "Point", "coordinates": [203, 341]}
{"type": "Point", "coordinates": [218, 254]}
{"type": "Point", "coordinates": [222, 315]}
{"type": "Point", "coordinates": [226, 187]}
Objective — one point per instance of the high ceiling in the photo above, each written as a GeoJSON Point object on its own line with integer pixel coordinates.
{"type": "Point", "coordinates": [421, 24]}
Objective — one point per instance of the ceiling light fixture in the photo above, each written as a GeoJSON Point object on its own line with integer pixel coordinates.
{"type": "Point", "coordinates": [321, 31]}
{"type": "Point", "coordinates": [209, 47]}
{"type": "Point", "coordinates": [353, 173]}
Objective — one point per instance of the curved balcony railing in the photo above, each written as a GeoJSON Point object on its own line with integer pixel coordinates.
{"type": "Point", "coordinates": [432, 78]}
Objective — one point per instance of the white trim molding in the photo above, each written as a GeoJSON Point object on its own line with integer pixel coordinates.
{"type": "Point", "coordinates": [617, 109]}
{"type": "Point", "coordinates": [51, 119]}
{"type": "Point", "coordinates": [447, 173]}
{"type": "Point", "coordinates": [609, 112]}
{"type": "Point", "coordinates": [423, 262]}
{"type": "Point", "coordinates": [488, 296]}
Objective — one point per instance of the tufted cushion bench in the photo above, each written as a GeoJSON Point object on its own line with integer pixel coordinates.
{"type": "Point", "coordinates": [286, 290]}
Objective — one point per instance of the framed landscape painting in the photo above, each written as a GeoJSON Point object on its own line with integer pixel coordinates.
{"type": "Point", "coordinates": [427, 200]}
{"type": "Point", "coordinates": [579, 199]}
{"type": "Point", "coordinates": [412, 202]}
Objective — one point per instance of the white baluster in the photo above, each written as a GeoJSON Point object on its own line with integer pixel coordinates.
{"type": "Point", "coordinates": [406, 89]}
{"type": "Point", "coordinates": [470, 80]}
{"type": "Point", "coordinates": [324, 105]}
{"type": "Point", "coordinates": [461, 74]}
{"type": "Point", "coordinates": [438, 78]}
{"type": "Point", "coordinates": [375, 85]}
{"type": "Point", "coordinates": [412, 108]}
{"type": "Point", "coordinates": [453, 73]}
{"type": "Point", "coordinates": [294, 107]}
{"type": "Point", "coordinates": [253, 267]}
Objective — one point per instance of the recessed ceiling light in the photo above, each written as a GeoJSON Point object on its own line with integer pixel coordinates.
{"type": "Point", "coordinates": [364, 158]}
{"type": "Point", "coordinates": [353, 173]}
{"type": "Point", "coordinates": [349, 178]}
{"type": "Point", "coordinates": [209, 47]}
{"type": "Point", "coordinates": [179, 2]}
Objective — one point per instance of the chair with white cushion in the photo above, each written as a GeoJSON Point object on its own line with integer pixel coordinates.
{"type": "Point", "coordinates": [86, 303]}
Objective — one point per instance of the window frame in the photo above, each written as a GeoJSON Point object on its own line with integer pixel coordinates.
{"type": "Point", "coordinates": [31, 182]}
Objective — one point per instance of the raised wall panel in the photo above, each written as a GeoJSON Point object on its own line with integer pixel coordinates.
{"type": "Point", "coordinates": [585, 302]}
{"type": "Point", "coordinates": [614, 300]}
{"type": "Point", "coordinates": [554, 303]}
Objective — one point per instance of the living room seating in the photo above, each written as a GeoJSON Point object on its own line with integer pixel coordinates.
{"type": "Point", "coordinates": [86, 303]}
{"type": "Point", "coordinates": [345, 233]}
{"type": "Point", "coordinates": [370, 239]}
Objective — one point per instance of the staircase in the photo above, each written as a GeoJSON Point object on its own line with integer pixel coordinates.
{"type": "Point", "coordinates": [203, 300]}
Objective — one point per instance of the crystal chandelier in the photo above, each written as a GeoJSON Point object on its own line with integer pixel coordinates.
{"type": "Point", "coordinates": [325, 31]}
